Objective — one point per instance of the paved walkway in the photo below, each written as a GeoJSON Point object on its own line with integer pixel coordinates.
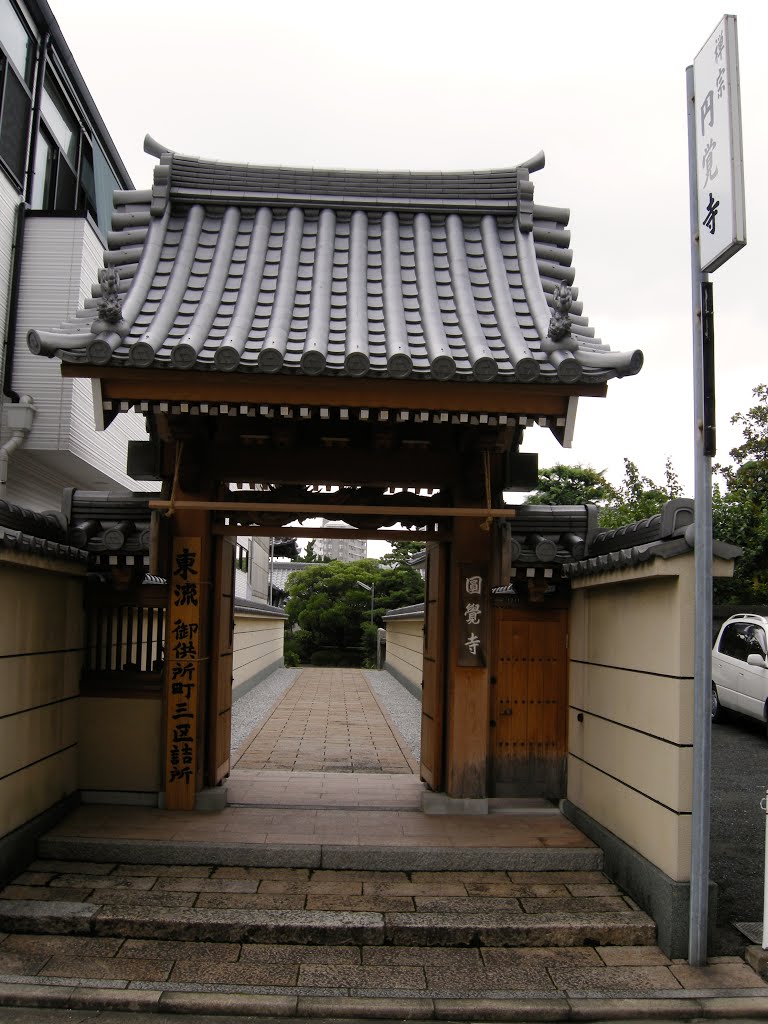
{"type": "Point", "coordinates": [321, 790]}
{"type": "Point", "coordinates": [316, 829]}
{"type": "Point", "coordinates": [328, 721]}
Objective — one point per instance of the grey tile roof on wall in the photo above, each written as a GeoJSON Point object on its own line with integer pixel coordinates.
{"type": "Point", "coordinates": [384, 274]}
{"type": "Point", "coordinates": [282, 570]}
{"type": "Point", "coordinates": [37, 533]}
{"type": "Point", "coordinates": [667, 534]}
{"type": "Point", "coordinates": [109, 525]}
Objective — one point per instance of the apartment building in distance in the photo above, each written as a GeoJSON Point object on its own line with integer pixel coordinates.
{"type": "Point", "coordinates": [342, 549]}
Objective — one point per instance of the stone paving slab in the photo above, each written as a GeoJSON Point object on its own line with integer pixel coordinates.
{"type": "Point", "coordinates": [328, 721]}
{"type": "Point", "coordinates": [315, 907]}
{"type": "Point", "coordinates": [518, 1007]}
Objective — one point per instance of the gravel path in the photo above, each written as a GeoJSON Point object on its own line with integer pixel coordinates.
{"type": "Point", "coordinates": [254, 707]}
{"type": "Point", "coordinates": [402, 707]}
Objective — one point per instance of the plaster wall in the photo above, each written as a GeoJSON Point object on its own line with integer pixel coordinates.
{"type": "Point", "coordinates": [405, 648]}
{"type": "Point", "coordinates": [258, 568]}
{"type": "Point", "coordinates": [120, 744]}
{"type": "Point", "coordinates": [41, 651]}
{"type": "Point", "coordinates": [631, 706]}
{"type": "Point", "coordinates": [257, 648]}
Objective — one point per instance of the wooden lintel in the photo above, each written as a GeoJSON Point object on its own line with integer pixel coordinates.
{"type": "Point", "coordinates": [313, 532]}
{"type": "Point", "coordinates": [319, 509]}
{"type": "Point", "coordinates": [355, 466]}
{"type": "Point", "coordinates": [133, 384]}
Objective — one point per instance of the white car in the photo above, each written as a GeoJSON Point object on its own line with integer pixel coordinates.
{"type": "Point", "coordinates": [740, 667]}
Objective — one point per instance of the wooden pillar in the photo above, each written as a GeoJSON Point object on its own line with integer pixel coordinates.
{"type": "Point", "coordinates": [468, 659]}
{"type": "Point", "coordinates": [187, 649]}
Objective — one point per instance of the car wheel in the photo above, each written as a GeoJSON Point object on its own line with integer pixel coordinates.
{"type": "Point", "coordinates": [717, 711]}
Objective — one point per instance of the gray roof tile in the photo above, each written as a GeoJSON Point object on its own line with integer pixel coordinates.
{"type": "Point", "coordinates": [305, 271]}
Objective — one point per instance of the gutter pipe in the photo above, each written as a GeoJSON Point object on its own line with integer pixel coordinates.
{"type": "Point", "coordinates": [20, 419]}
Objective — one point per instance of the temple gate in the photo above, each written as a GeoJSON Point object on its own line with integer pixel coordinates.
{"type": "Point", "coordinates": [364, 346]}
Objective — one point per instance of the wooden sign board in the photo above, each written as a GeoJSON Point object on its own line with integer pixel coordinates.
{"type": "Point", "coordinates": [473, 612]}
{"type": "Point", "coordinates": [182, 675]}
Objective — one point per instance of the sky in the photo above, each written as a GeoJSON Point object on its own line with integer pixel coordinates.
{"type": "Point", "coordinates": [433, 84]}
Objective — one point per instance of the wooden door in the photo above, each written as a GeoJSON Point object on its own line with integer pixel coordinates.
{"type": "Point", "coordinates": [220, 692]}
{"type": "Point", "coordinates": [433, 679]}
{"type": "Point", "coordinates": [529, 703]}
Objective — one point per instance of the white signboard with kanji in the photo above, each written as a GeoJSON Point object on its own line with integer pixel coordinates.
{"type": "Point", "coordinates": [719, 168]}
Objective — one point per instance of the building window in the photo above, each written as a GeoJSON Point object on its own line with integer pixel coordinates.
{"type": "Point", "coordinates": [71, 170]}
{"type": "Point", "coordinates": [17, 61]}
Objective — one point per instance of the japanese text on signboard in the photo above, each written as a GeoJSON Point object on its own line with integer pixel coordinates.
{"type": "Point", "coordinates": [183, 640]}
{"type": "Point", "coordinates": [719, 173]}
{"type": "Point", "coordinates": [473, 606]}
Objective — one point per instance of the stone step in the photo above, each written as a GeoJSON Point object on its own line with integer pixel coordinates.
{"type": "Point", "coordinates": [294, 982]}
{"type": "Point", "coordinates": [331, 928]}
{"type": "Point", "coordinates": [322, 907]}
{"type": "Point", "coordinates": [338, 857]}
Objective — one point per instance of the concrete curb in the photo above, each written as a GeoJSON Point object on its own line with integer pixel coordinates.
{"type": "Point", "coordinates": [558, 1008]}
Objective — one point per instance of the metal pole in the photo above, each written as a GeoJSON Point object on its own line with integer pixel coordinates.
{"type": "Point", "coordinates": [764, 805]}
{"type": "Point", "coordinates": [702, 685]}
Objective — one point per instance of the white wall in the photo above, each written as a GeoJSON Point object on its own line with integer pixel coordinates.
{"type": "Point", "coordinates": [62, 257]}
{"type": "Point", "coordinates": [405, 647]}
{"type": "Point", "coordinates": [258, 647]}
{"type": "Point", "coordinates": [630, 728]}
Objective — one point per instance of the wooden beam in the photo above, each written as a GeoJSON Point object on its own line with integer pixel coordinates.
{"type": "Point", "coordinates": [190, 386]}
{"type": "Point", "coordinates": [321, 509]}
{"type": "Point", "coordinates": [300, 465]}
{"type": "Point", "coordinates": [311, 533]}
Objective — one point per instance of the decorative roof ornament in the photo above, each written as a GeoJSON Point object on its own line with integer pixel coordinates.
{"type": "Point", "coordinates": [110, 310]}
{"type": "Point", "coordinates": [560, 321]}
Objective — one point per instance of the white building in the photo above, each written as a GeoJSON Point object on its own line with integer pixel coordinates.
{"type": "Point", "coordinates": [58, 171]}
{"type": "Point", "coordinates": [343, 549]}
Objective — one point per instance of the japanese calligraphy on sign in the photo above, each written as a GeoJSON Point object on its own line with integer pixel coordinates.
{"type": "Point", "coordinates": [183, 655]}
{"type": "Point", "coordinates": [473, 606]}
{"type": "Point", "coordinates": [719, 169]}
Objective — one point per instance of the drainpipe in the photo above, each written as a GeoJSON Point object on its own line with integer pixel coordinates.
{"type": "Point", "coordinates": [13, 304]}
{"type": "Point", "coordinates": [21, 214]}
{"type": "Point", "coordinates": [19, 419]}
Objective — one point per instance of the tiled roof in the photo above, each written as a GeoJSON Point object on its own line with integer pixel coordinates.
{"type": "Point", "coordinates": [256, 269]}
{"type": "Point", "coordinates": [251, 607]}
{"type": "Point", "coordinates": [282, 570]}
{"type": "Point", "coordinates": [548, 535]}
{"type": "Point", "coordinates": [37, 533]}
{"type": "Point", "coordinates": [112, 527]}
{"type": "Point", "coordinates": [665, 535]}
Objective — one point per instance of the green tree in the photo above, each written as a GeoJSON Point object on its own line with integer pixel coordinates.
{"type": "Point", "coordinates": [740, 511]}
{"type": "Point", "coordinates": [571, 485]}
{"type": "Point", "coordinates": [402, 551]}
{"type": "Point", "coordinates": [638, 496]}
{"type": "Point", "coordinates": [328, 611]}
{"type": "Point", "coordinates": [310, 555]}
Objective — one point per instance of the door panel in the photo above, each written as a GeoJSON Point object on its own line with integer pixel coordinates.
{"type": "Point", "coordinates": [529, 703]}
{"type": "Point", "coordinates": [433, 679]}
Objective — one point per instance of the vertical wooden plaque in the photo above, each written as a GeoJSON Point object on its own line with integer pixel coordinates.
{"type": "Point", "coordinates": [182, 674]}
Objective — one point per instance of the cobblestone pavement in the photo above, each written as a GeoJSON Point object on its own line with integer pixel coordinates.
{"type": "Point", "coordinates": [181, 959]}
{"type": "Point", "coordinates": [329, 721]}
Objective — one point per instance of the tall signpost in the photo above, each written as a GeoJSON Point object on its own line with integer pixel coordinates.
{"type": "Point", "coordinates": [716, 181]}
